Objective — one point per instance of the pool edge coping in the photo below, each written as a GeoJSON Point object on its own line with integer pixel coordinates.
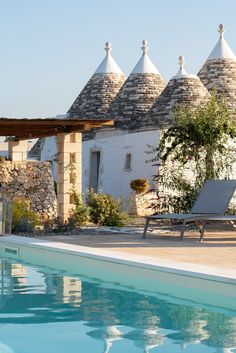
{"type": "Point", "coordinates": [204, 272]}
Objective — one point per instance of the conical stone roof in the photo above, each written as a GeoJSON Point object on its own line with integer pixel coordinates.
{"type": "Point", "coordinates": [137, 94]}
{"type": "Point", "coordinates": [99, 92]}
{"type": "Point", "coordinates": [219, 71]}
{"type": "Point", "coordinates": [182, 89]}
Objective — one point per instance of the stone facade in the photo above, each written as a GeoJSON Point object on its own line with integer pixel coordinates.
{"type": "Point", "coordinates": [220, 75]}
{"type": "Point", "coordinates": [96, 96]}
{"type": "Point", "coordinates": [187, 90]}
{"type": "Point", "coordinates": [31, 180]}
{"type": "Point", "coordinates": [134, 99]}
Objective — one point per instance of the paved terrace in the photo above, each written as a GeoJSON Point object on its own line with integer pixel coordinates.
{"type": "Point", "coordinates": [218, 250]}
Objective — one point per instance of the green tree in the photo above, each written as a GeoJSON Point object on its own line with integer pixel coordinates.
{"type": "Point", "coordinates": [202, 141]}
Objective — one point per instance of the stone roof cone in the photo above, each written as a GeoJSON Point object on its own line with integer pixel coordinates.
{"type": "Point", "coordinates": [97, 95]}
{"type": "Point", "coordinates": [137, 94]}
{"type": "Point", "coordinates": [219, 71]}
{"type": "Point", "coordinates": [182, 89]}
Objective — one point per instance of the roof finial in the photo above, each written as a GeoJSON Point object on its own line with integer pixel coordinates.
{"type": "Point", "coordinates": [221, 30]}
{"type": "Point", "coordinates": [181, 72]}
{"type": "Point", "coordinates": [108, 47]}
{"type": "Point", "coordinates": [181, 61]}
{"type": "Point", "coordinates": [144, 46]}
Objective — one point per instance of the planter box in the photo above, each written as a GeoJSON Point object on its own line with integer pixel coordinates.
{"type": "Point", "coordinates": [139, 204]}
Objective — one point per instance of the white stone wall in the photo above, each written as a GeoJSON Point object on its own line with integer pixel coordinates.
{"type": "Point", "coordinates": [49, 152]}
{"type": "Point", "coordinates": [4, 148]}
{"type": "Point", "coordinates": [49, 149]}
{"type": "Point", "coordinates": [113, 178]}
{"type": "Point", "coordinates": [113, 146]}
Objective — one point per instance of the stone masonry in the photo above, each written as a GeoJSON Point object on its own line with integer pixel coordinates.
{"type": "Point", "coordinates": [69, 176]}
{"type": "Point", "coordinates": [182, 91]}
{"type": "Point", "coordinates": [139, 204]}
{"type": "Point", "coordinates": [96, 96]}
{"type": "Point", "coordinates": [134, 99]}
{"type": "Point", "coordinates": [31, 180]}
{"type": "Point", "coordinates": [221, 75]}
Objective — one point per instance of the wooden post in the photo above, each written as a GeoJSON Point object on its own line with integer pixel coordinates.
{"type": "Point", "coordinates": [69, 166]}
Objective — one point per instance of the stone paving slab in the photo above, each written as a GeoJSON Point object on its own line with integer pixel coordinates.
{"type": "Point", "coordinates": [219, 249]}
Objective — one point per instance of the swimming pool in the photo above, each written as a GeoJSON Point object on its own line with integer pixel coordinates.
{"type": "Point", "coordinates": [56, 307]}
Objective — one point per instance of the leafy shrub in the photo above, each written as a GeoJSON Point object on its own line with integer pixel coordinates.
{"type": "Point", "coordinates": [79, 215]}
{"type": "Point", "coordinates": [23, 218]}
{"type": "Point", "coordinates": [105, 210]}
{"type": "Point", "coordinates": [139, 185]}
{"type": "Point", "coordinates": [80, 212]}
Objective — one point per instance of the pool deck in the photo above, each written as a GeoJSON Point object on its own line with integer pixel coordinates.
{"type": "Point", "coordinates": [218, 251]}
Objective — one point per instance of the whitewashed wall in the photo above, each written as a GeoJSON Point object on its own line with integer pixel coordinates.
{"type": "Point", "coordinates": [4, 148]}
{"type": "Point", "coordinates": [49, 149]}
{"type": "Point", "coordinates": [113, 146]}
{"type": "Point", "coordinates": [49, 152]}
{"type": "Point", "coordinates": [113, 178]}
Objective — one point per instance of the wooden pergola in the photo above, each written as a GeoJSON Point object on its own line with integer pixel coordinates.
{"type": "Point", "coordinates": [26, 129]}
{"type": "Point", "coordinates": [69, 147]}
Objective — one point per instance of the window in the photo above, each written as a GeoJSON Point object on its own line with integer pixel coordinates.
{"type": "Point", "coordinates": [128, 159]}
{"type": "Point", "coordinates": [94, 170]}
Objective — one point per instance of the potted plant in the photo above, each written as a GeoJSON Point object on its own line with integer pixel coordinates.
{"type": "Point", "coordinates": [139, 185]}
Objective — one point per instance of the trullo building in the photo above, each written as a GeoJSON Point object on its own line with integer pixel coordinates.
{"type": "Point", "coordinates": [182, 89]}
{"type": "Point", "coordinates": [99, 92]}
{"type": "Point", "coordinates": [92, 101]}
{"type": "Point", "coordinates": [219, 71]}
{"type": "Point", "coordinates": [141, 106]}
{"type": "Point", "coordinates": [117, 155]}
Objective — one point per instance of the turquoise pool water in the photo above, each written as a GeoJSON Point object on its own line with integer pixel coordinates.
{"type": "Point", "coordinates": [49, 311]}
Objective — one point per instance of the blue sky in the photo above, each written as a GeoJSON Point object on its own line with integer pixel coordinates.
{"type": "Point", "coordinates": [50, 48]}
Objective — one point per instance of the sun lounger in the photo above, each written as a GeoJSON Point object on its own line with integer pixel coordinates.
{"type": "Point", "coordinates": [211, 204]}
{"type": "Point", "coordinates": [224, 218]}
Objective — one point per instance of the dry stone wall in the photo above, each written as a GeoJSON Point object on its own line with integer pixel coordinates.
{"type": "Point", "coordinates": [31, 180]}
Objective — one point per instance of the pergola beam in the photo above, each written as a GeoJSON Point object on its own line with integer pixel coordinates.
{"type": "Point", "coordinates": [31, 134]}
{"type": "Point", "coordinates": [25, 129]}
